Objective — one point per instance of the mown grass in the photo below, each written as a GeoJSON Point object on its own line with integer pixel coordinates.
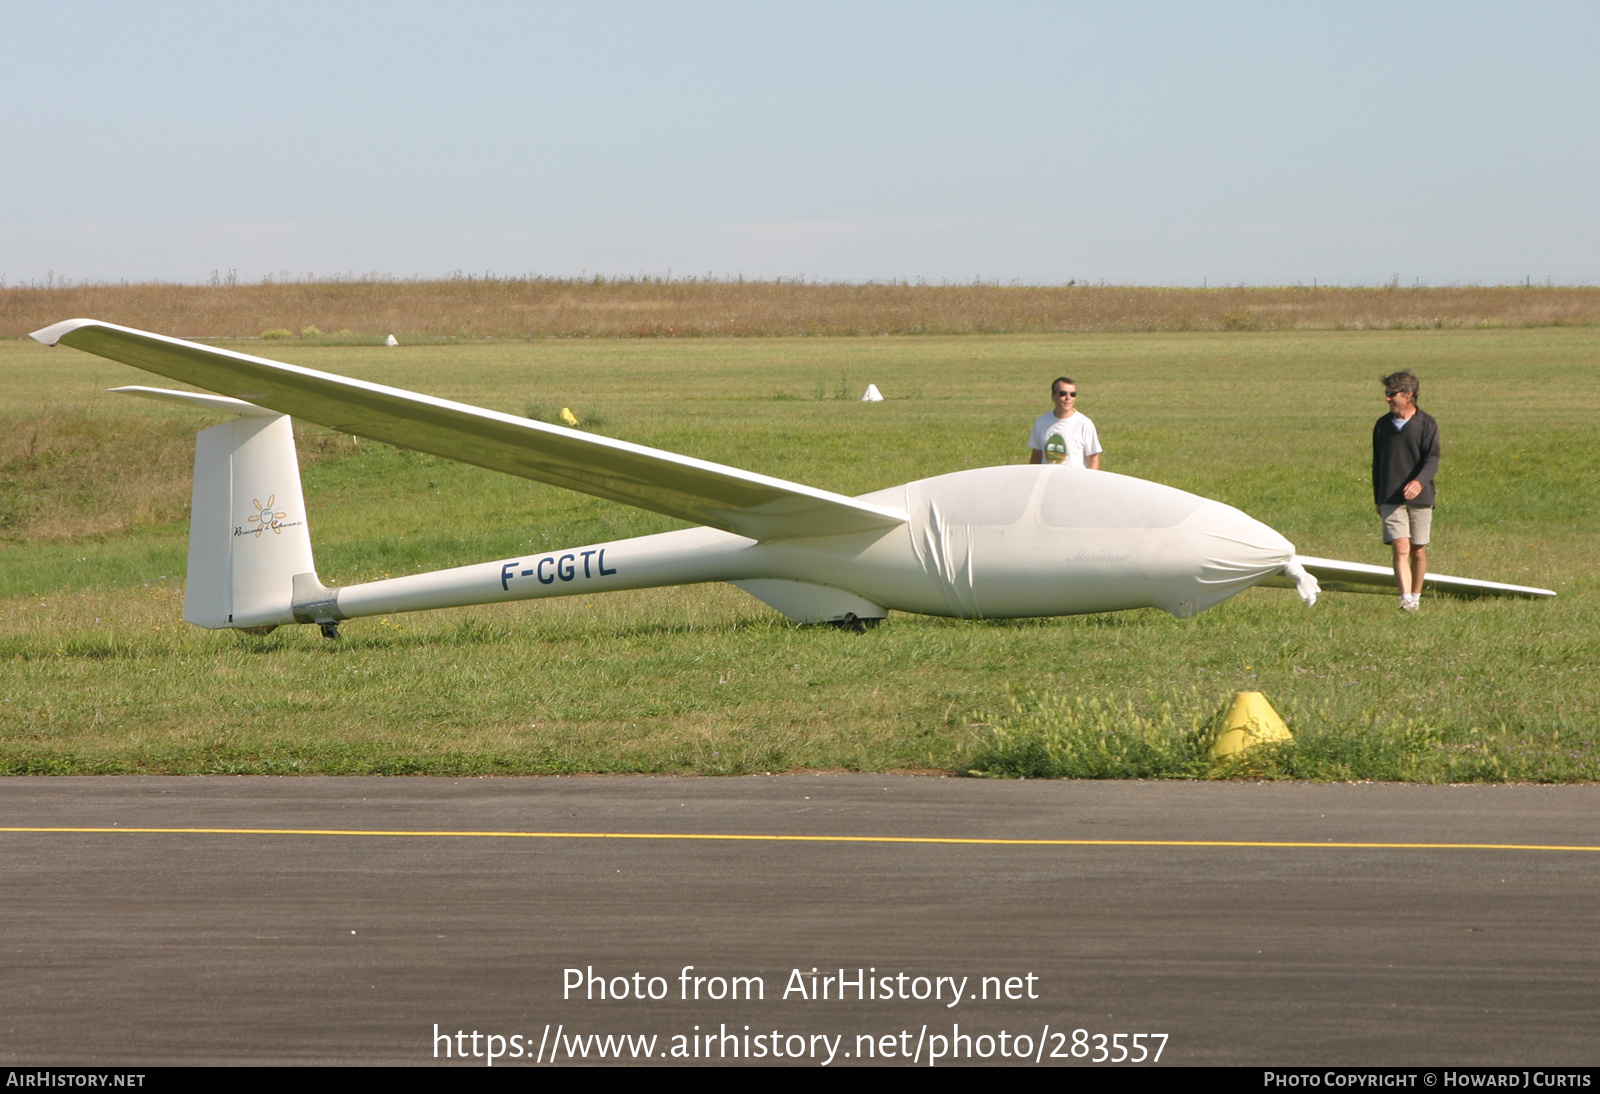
{"type": "Point", "coordinates": [100, 674]}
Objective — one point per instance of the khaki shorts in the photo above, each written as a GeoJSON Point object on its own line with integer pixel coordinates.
{"type": "Point", "coordinates": [1413, 522]}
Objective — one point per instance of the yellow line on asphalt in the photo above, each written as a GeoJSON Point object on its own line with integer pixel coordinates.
{"type": "Point", "coordinates": [755, 838]}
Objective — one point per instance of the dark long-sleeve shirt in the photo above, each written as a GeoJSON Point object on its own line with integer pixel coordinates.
{"type": "Point", "coordinates": [1401, 455]}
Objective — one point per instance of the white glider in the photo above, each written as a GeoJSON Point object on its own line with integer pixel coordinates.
{"type": "Point", "coordinates": [1022, 540]}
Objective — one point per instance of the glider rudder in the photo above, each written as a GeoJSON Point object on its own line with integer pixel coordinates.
{"type": "Point", "coordinates": [249, 544]}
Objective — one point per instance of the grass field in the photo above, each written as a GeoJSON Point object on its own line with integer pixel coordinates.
{"type": "Point", "coordinates": [100, 673]}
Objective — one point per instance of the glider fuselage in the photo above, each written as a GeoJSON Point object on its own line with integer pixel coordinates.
{"type": "Point", "coordinates": [1022, 541]}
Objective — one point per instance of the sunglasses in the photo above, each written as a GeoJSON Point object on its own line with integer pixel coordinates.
{"type": "Point", "coordinates": [1069, 394]}
{"type": "Point", "coordinates": [1392, 394]}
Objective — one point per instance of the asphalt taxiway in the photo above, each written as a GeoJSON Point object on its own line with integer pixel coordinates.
{"type": "Point", "coordinates": [323, 920]}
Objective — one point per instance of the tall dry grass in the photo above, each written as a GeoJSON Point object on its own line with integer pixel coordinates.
{"type": "Point", "coordinates": [334, 310]}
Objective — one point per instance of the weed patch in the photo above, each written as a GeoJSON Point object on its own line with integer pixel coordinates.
{"type": "Point", "coordinates": [1069, 737]}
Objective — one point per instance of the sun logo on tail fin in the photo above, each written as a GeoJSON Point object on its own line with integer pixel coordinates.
{"type": "Point", "coordinates": [264, 517]}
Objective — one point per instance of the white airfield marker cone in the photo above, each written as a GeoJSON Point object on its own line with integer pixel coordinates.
{"type": "Point", "coordinates": [872, 394]}
{"type": "Point", "coordinates": [391, 341]}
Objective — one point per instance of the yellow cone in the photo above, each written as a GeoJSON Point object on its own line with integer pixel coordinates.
{"type": "Point", "coordinates": [569, 417]}
{"type": "Point", "coordinates": [1250, 721]}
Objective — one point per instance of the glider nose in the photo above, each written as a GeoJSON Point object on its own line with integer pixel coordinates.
{"type": "Point", "coordinates": [1234, 552]}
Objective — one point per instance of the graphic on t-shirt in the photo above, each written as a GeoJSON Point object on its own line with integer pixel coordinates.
{"type": "Point", "coordinates": [1055, 448]}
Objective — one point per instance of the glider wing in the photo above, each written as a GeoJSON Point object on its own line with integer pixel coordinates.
{"type": "Point", "coordinates": [1358, 577]}
{"type": "Point", "coordinates": [736, 501]}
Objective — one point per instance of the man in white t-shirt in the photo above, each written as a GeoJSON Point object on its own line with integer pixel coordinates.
{"type": "Point", "coordinates": [1064, 436]}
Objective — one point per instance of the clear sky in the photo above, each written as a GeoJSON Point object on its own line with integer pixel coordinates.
{"type": "Point", "coordinates": [1129, 142]}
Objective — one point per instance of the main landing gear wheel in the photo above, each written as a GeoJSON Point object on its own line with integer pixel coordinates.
{"type": "Point", "coordinates": [853, 623]}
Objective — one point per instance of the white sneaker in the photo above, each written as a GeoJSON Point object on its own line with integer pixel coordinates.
{"type": "Point", "coordinates": [1410, 602]}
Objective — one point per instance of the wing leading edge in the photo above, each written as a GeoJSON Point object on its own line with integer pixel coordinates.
{"type": "Point", "coordinates": [736, 501]}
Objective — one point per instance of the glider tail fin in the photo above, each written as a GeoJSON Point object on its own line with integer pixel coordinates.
{"type": "Point", "coordinates": [248, 537]}
{"type": "Point", "coordinates": [249, 544]}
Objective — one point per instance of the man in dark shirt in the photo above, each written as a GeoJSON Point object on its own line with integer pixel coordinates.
{"type": "Point", "coordinates": [1405, 456]}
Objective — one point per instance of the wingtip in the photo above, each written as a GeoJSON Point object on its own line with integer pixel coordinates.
{"type": "Point", "coordinates": [52, 334]}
